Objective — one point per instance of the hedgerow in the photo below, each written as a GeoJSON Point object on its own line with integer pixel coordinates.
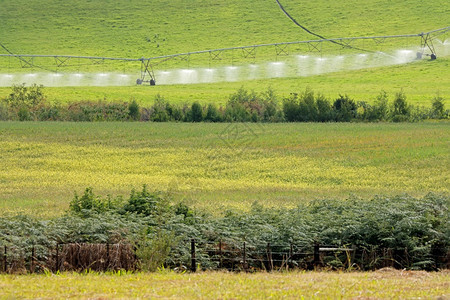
{"type": "Point", "coordinates": [29, 103]}
{"type": "Point", "coordinates": [415, 230]}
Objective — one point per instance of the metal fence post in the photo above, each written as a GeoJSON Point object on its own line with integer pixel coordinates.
{"type": "Point", "coordinates": [193, 260]}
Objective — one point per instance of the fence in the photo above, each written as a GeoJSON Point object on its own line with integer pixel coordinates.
{"type": "Point", "coordinates": [214, 256]}
{"type": "Point", "coordinates": [271, 257]}
{"type": "Point", "coordinates": [69, 257]}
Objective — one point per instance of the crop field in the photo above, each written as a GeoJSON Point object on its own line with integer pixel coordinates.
{"type": "Point", "coordinates": [218, 165]}
{"type": "Point", "coordinates": [387, 284]}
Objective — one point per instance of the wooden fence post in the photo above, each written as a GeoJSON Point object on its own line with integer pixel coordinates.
{"type": "Point", "coordinates": [220, 255]}
{"type": "Point", "coordinates": [269, 258]}
{"type": "Point", "coordinates": [107, 257]}
{"type": "Point", "coordinates": [291, 254]}
{"type": "Point", "coordinates": [245, 258]}
{"type": "Point", "coordinates": [316, 255]}
{"type": "Point", "coordinates": [5, 266]}
{"type": "Point", "coordinates": [135, 256]}
{"type": "Point", "coordinates": [193, 260]}
{"type": "Point", "coordinates": [32, 260]}
{"type": "Point", "coordinates": [57, 258]}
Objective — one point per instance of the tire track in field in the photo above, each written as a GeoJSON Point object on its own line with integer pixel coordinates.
{"type": "Point", "coordinates": [315, 34]}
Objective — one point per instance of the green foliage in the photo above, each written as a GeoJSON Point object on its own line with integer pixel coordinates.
{"type": "Point", "coordinates": [344, 109]}
{"type": "Point", "coordinates": [308, 111]}
{"type": "Point", "coordinates": [23, 101]}
{"type": "Point", "coordinates": [133, 110]}
{"type": "Point", "coordinates": [290, 108]}
{"type": "Point", "coordinates": [88, 203]}
{"type": "Point", "coordinates": [438, 108]}
{"type": "Point", "coordinates": [50, 113]}
{"type": "Point", "coordinates": [24, 114]}
{"type": "Point", "coordinates": [25, 97]}
{"type": "Point", "coordinates": [196, 112]}
{"type": "Point", "coordinates": [381, 107]}
{"type": "Point", "coordinates": [414, 229]}
{"type": "Point", "coordinates": [324, 109]}
{"type": "Point", "coordinates": [242, 106]}
{"type": "Point", "coordinates": [400, 109]}
{"type": "Point", "coordinates": [4, 112]}
{"type": "Point", "coordinates": [212, 114]}
{"type": "Point", "coordinates": [271, 112]}
{"type": "Point", "coordinates": [159, 110]}
{"type": "Point", "coordinates": [153, 249]}
{"type": "Point", "coordinates": [95, 111]}
{"type": "Point", "coordinates": [146, 203]}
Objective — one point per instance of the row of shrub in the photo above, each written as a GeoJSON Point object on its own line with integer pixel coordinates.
{"type": "Point", "coordinates": [29, 103]}
{"type": "Point", "coordinates": [416, 229]}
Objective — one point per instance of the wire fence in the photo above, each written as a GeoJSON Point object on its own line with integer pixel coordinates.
{"type": "Point", "coordinates": [80, 257]}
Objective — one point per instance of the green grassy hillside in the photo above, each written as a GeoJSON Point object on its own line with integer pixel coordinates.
{"type": "Point", "coordinates": [134, 29]}
{"type": "Point", "coordinates": [420, 81]}
{"type": "Point", "coordinates": [124, 28]}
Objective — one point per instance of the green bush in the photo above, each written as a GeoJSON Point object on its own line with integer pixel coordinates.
{"type": "Point", "coordinates": [212, 114]}
{"type": "Point", "coordinates": [88, 202]}
{"type": "Point", "coordinates": [25, 97]}
{"type": "Point", "coordinates": [159, 110]}
{"type": "Point", "coordinates": [4, 112]}
{"type": "Point", "coordinates": [308, 111]}
{"type": "Point", "coordinates": [153, 249]}
{"type": "Point", "coordinates": [381, 107]}
{"type": "Point", "coordinates": [291, 108]}
{"type": "Point", "coordinates": [324, 109]}
{"type": "Point", "coordinates": [24, 114]}
{"type": "Point", "coordinates": [49, 113]}
{"type": "Point", "coordinates": [271, 112]}
{"type": "Point", "coordinates": [438, 108]}
{"type": "Point", "coordinates": [196, 112]}
{"type": "Point", "coordinates": [344, 109]}
{"type": "Point", "coordinates": [400, 110]}
{"type": "Point", "coordinates": [133, 111]}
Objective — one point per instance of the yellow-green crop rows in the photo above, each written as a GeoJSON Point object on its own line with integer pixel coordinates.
{"type": "Point", "coordinates": [218, 165]}
{"type": "Point", "coordinates": [384, 284]}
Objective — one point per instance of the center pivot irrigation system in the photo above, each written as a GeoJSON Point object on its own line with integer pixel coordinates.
{"type": "Point", "coordinates": [147, 75]}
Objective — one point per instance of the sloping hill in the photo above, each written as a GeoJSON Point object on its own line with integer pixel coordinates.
{"type": "Point", "coordinates": [131, 28]}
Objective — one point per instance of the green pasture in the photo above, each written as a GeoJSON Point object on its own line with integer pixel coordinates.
{"type": "Point", "coordinates": [215, 166]}
{"type": "Point", "coordinates": [130, 29]}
